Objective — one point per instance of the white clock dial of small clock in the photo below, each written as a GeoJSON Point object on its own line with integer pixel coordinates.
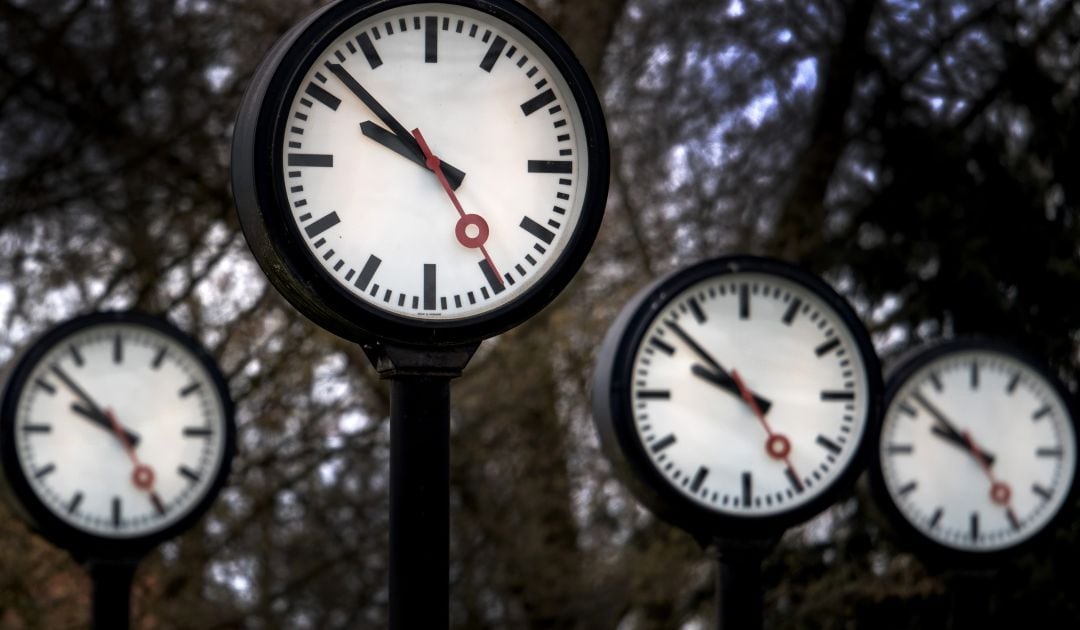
{"type": "Point", "coordinates": [119, 430]}
{"type": "Point", "coordinates": [749, 394]}
{"type": "Point", "coordinates": [392, 92]}
{"type": "Point", "coordinates": [977, 450]}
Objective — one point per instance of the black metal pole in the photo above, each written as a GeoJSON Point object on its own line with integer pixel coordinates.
{"type": "Point", "coordinates": [111, 580]}
{"type": "Point", "coordinates": [738, 582]}
{"type": "Point", "coordinates": [419, 502]}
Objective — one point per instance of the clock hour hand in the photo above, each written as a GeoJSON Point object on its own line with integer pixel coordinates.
{"type": "Point", "coordinates": [958, 441]}
{"type": "Point", "coordinates": [102, 421]}
{"type": "Point", "coordinates": [724, 381]}
{"type": "Point", "coordinates": [376, 108]}
{"type": "Point", "coordinates": [91, 411]}
{"type": "Point", "coordinates": [397, 145]}
{"type": "Point", "coordinates": [946, 429]}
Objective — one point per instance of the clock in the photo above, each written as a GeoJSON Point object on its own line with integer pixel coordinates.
{"type": "Point", "coordinates": [421, 172]}
{"type": "Point", "coordinates": [977, 451]}
{"type": "Point", "coordinates": [735, 397]}
{"type": "Point", "coordinates": [116, 433]}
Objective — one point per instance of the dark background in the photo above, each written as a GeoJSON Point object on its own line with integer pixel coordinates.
{"type": "Point", "coordinates": [924, 156]}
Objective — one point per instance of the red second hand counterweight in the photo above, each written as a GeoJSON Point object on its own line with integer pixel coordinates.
{"type": "Point", "coordinates": [467, 220]}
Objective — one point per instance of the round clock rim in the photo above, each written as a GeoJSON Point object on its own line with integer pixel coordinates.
{"type": "Point", "coordinates": [18, 489]}
{"type": "Point", "coordinates": [613, 412]}
{"type": "Point", "coordinates": [274, 238]}
{"type": "Point", "coordinates": [907, 534]}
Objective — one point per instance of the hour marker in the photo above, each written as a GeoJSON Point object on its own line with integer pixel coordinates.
{"type": "Point", "coordinates": [828, 444]}
{"type": "Point", "coordinates": [537, 230]}
{"type": "Point", "coordinates": [75, 501]}
{"type": "Point", "coordinates": [935, 380]}
{"type": "Point", "coordinates": [662, 443]}
{"type": "Point", "coordinates": [197, 432]}
{"type": "Point", "coordinates": [1040, 412]}
{"type": "Point", "coordinates": [429, 270]}
{"type": "Point", "coordinates": [190, 389]}
{"type": "Point", "coordinates": [936, 518]}
{"type": "Point", "coordinates": [369, 51]}
{"type": "Point", "coordinates": [794, 479]}
{"type": "Point", "coordinates": [827, 347]}
{"type": "Point", "coordinates": [118, 349]}
{"type": "Point", "coordinates": [321, 95]}
{"type": "Point", "coordinates": [744, 302]}
{"type": "Point", "coordinates": [44, 385]}
{"type": "Point", "coordinates": [116, 512]}
{"type": "Point", "coordinates": [491, 277]}
{"type": "Point", "coordinates": [76, 356]}
{"type": "Point", "coordinates": [1011, 387]}
{"type": "Point", "coordinates": [831, 395]}
{"type": "Point", "coordinates": [540, 100]}
{"type": "Point", "coordinates": [695, 308]}
{"type": "Point", "coordinates": [662, 346]}
{"type": "Point", "coordinates": [907, 488]}
{"type": "Point", "coordinates": [311, 159]}
{"type": "Point", "coordinates": [158, 358]}
{"type": "Point", "coordinates": [1041, 491]}
{"type": "Point", "coordinates": [431, 40]}
{"type": "Point", "coordinates": [322, 225]}
{"type": "Point", "coordinates": [747, 489]}
{"type": "Point", "coordinates": [792, 311]}
{"type": "Point", "coordinates": [493, 53]}
{"type": "Point", "coordinates": [654, 394]}
{"type": "Point", "coordinates": [699, 478]}
{"type": "Point", "coordinates": [368, 272]}
{"type": "Point", "coordinates": [37, 428]}
{"type": "Point", "coordinates": [189, 473]}
{"type": "Point", "coordinates": [551, 166]}
{"type": "Point", "coordinates": [48, 468]}
{"type": "Point", "coordinates": [1048, 452]}
{"type": "Point", "coordinates": [974, 375]}
{"type": "Point", "coordinates": [974, 525]}
{"type": "Point", "coordinates": [158, 505]}
{"type": "Point", "coordinates": [899, 449]}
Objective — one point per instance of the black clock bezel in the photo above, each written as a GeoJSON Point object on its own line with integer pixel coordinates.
{"type": "Point", "coordinates": [83, 544]}
{"type": "Point", "coordinates": [274, 238]}
{"type": "Point", "coordinates": [908, 535]}
{"type": "Point", "coordinates": [613, 409]}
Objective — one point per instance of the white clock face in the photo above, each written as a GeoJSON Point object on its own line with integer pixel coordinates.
{"type": "Point", "coordinates": [119, 430]}
{"type": "Point", "coordinates": [487, 102]}
{"type": "Point", "coordinates": [977, 450]}
{"type": "Point", "coordinates": [760, 336]}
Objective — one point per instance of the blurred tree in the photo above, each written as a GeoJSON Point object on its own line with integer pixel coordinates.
{"type": "Point", "coordinates": [921, 155]}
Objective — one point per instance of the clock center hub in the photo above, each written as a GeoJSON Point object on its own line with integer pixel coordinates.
{"type": "Point", "coordinates": [778, 446]}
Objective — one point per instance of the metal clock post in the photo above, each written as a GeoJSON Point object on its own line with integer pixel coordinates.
{"type": "Point", "coordinates": [116, 434]}
{"type": "Point", "coordinates": [735, 398]}
{"type": "Point", "coordinates": [417, 177]}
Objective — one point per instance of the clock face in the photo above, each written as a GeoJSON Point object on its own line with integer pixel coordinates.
{"type": "Point", "coordinates": [749, 387]}
{"type": "Point", "coordinates": [436, 164]}
{"type": "Point", "coordinates": [978, 448]}
{"type": "Point", "coordinates": [118, 427]}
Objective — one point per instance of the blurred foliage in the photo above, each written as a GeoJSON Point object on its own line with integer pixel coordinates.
{"type": "Point", "coordinates": [921, 155]}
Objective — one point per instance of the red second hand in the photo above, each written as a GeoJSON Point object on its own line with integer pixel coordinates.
{"type": "Point", "coordinates": [1000, 493]}
{"type": "Point", "coordinates": [777, 445]}
{"type": "Point", "coordinates": [467, 220]}
{"type": "Point", "coordinates": [143, 475]}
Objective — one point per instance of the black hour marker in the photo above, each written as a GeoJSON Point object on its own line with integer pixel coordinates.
{"type": "Point", "coordinates": [493, 53]}
{"type": "Point", "coordinates": [828, 444]}
{"type": "Point", "coordinates": [537, 230]}
{"type": "Point", "coordinates": [974, 525]}
{"type": "Point", "coordinates": [907, 488]}
{"type": "Point", "coordinates": [491, 277]}
{"type": "Point", "coordinates": [369, 51]}
{"type": "Point", "coordinates": [662, 346]}
{"type": "Point", "coordinates": [1041, 491]}
{"type": "Point", "coordinates": [936, 518]}
{"type": "Point", "coordinates": [695, 308]}
{"type": "Point", "coordinates": [551, 166]}
{"type": "Point", "coordinates": [794, 479]}
{"type": "Point", "coordinates": [744, 302]}
{"type": "Point", "coordinates": [429, 270]}
{"type": "Point", "coordinates": [48, 468]}
{"type": "Point", "coordinates": [311, 159]}
{"type": "Point", "coordinates": [699, 479]}
{"type": "Point", "coordinates": [974, 375]}
{"type": "Point", "coordinates": [197, 432]}
{"type": "Point", "coordinates": [118, 349]}
{"type": "Point", "coordinates": [75, 501]}
{"type": "Point", "coordinates": [158, 505]}
{"type": "Point", "coordinates": [834, 396]}
{"type": "Point", "coordinates": [792, 311]}
{"type": "Point", "coordinates": [663, 443]}
{"type": "Point", "coordinates": [76, 356]}
{"type": "Point", "coordinates": [747, 489]}
{"type": "Point", "coordinates": [827, 347]}
{"type": "Point", "coordinates": [190, 389]}
{"type": "Point", "coordinates": [1040, 412]}
{"type": "Point", "coordinates": [654, 394]}
{"type": "Point", "coordinates": [1011, 387]}
{"type": "Point", "coordinates": [158, 358]}
{"type": "Point", "coordinates": [37, 428]}
{"type": "Point", "coordinates": [321, 225]}
{"type": "Point", "coordinates": [899, 449]}
{"type": "Point", "coordinates": [431, 40]}
{"type": "Point", "coordinates": [322, 96]}
{"type": "Point", "coordinates": [44, 385]}
{"type": "Point", "coordinates": [935, 380]}
{"type": "Point", "coordinates": [1048, 452]}
{"type": "Point", "coordinates": [189, 473]}
{"type": "Point", "coordinates": [540, 100]}
{"type": "Point", "coordinates": [116, 512]}
{"type": "Point", "coordinates": [368, 272]}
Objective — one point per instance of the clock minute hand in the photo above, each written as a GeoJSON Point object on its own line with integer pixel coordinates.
{"type": "Point", "coordinates": [948, 430]}
{"type": "Point", "coordinates": [397, 145]}
{"type": "Point", "coordinates": [724, 381]}
{"type": "Point", "coordinates": [93, 413]}
{"type": "Point", "coordinates": [103, 422]}
{"type": "Point", "coordinates": [958, 441]}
